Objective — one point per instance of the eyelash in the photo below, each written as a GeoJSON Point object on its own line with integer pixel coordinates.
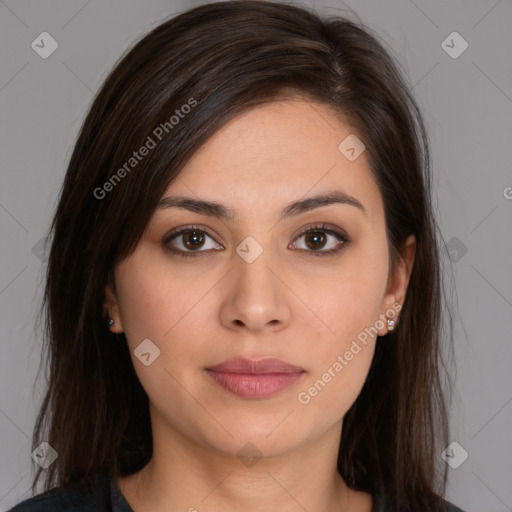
{"type": "Point", "coordinates": [342, 237]}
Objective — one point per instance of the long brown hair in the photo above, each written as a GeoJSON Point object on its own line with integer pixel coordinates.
{"type": "Point", "coordinates": [220, 59]}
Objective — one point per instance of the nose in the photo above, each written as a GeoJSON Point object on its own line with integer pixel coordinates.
{"type": "Point", "coordinates": [255, 297]}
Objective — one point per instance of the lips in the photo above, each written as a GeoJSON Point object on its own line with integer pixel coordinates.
{"type": "Point", "coordinates": [256, 366]}
{"type": "Point", "coordinates": [252, 378]}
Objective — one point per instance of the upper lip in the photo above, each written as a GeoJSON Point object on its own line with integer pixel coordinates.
{"type": "Point", "coordinates": [256, 366]}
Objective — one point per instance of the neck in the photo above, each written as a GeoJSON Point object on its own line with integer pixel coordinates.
{"type": "Point", "coordinates": [184, 476]}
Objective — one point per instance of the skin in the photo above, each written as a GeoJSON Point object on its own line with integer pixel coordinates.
{"type": "Point", "coordinates": [288, 303]}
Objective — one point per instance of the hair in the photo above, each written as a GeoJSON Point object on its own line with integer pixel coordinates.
{"type": "Point", "coordinates": [221, 59]}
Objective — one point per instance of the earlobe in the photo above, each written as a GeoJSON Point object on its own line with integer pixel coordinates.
{"type": "Point", "coordinates": [111, 311]}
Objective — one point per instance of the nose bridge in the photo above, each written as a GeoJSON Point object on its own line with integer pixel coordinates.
{"type": "Point", "coordinates": [252, 268]}
{"type": "Point", "coordinates": [256, 294]}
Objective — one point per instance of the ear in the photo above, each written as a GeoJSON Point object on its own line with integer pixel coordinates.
{"type": "Point", "coordinates": [111, 309]}
{"type": "Point", "coordinates": [397, 283]}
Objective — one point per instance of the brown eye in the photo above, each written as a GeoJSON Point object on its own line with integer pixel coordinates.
{"type": "Point", "coordinates": [193, 239]}
{"type": "Point", "coordinates": [316, 238]}
{"type": "Point", "coordinates": [189, 240]}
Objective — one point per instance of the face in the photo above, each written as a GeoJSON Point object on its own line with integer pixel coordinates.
{"type": "Point", "coordinates": [310, 288]}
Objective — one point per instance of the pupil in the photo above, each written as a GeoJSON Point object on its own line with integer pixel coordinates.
{"type": "Point", "coordinates": [316, 236]}
{"type": "Point", "coordinates": [197, 238]}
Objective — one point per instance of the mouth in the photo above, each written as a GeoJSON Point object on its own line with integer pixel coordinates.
{"type": "Point", "coordinates": [252, 378]}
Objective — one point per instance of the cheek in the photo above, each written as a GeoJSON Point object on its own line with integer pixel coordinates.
{"type": "Point", "coordinates": [334, 387]}
{"type": "Point", "coordinates": [342, 358]}
{"type": "Point", "coordinates": [343, 354]}
{"type": "Point", "coordinates": [153, 302]}
{"type": "Point", "coordinates": [139, 302]}
{"type": "Point", "coordinates": [349, 299]}
{"type": "Point", "coordinates": [157, 305]}
{"type": "Point", "coordinates": [167, 309]}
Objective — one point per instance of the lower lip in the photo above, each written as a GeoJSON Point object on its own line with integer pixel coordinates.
{"type": "Point", "coordinates": [252, 385]}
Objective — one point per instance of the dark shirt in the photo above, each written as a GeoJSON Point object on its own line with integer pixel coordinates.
{"type": "Point", "coordinates": [98, 493]}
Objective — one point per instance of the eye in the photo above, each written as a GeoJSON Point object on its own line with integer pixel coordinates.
{"type": "Point", "coordinates": [192, 239]}
{"type": "Point", "coordinates": [316, 238]}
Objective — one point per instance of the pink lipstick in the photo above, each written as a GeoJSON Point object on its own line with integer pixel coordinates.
{"type": "Point", "coordinates": [253, 378]}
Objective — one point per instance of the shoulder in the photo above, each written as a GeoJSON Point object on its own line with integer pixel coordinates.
{"type": "Point", "coordinates": [87, 495]}
{"type": "Point", "coordinates": [450, 507]}
{"type": "Point", "coordinates": [441, 506]}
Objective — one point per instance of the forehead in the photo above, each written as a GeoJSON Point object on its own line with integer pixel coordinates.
{"type": "Point", "coordinates": [274, 154]}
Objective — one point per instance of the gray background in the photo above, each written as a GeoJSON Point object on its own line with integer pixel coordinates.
{"type": "Point", "coordinates": [467, 103]}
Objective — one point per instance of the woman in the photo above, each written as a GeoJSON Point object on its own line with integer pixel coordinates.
{"type": "Point", "coordinates": [248, 208]}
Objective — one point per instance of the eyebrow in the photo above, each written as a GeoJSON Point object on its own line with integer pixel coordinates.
{"type": "Point", "coordinates": [214, 209]}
